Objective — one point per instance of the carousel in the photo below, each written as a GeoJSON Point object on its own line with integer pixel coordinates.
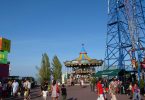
{"type": "Point", "coordinates": [82, 67]}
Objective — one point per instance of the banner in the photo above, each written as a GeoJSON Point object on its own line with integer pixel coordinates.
{"type": "Point", "coordinates": [5, 44]}
{"type": "Point", "coordinates": [3, 57]}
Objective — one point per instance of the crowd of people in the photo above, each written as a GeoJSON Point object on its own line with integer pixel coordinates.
{"type": "Point", "coordinates": [54, 90]}
{"type": "Point", "coordinates": [101, 86]}
{"type": "Point", "coordinates": [114, 87]}
{"type": "Point", "coordinates": [17, 88]}
{"type": "Point", "coordinates": [14, 88]}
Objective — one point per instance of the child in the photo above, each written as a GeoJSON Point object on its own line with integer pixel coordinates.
{"type": "Point", "coordinates": [136, 92]}
{"type": "Point", "coordinates": [63, 92]}
{"type": "Point", "coordinates": [45, 92]}
{"type": "Point", "coordinates": [26, 94]}
{"type": "Point", "coordinates": [19, 92]}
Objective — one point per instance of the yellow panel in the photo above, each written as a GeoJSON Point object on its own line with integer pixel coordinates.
{"type": "Point", "coordinates": [0, 43]}
{"type": "Point", "coordinates": [87, 57]}
{"type": "Point", "coordinates": [5, 44]}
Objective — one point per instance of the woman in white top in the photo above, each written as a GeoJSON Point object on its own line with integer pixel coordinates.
{"type": "Point", "coordinates": [54, 91]}
{"type": "Point", "coordinates": [82, 82]}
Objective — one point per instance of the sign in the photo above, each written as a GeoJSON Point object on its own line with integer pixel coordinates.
{"type": "Point", "coordinates": [114, 72]}
{"type": "Point", "coordinates": [5, 44]}
{"type": "Point", "coordinates": [3, 57]}
{"type": "Point", "coordinates": [4, 70]}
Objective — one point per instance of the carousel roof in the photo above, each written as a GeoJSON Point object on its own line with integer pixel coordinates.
{"type": "Point", "coordinates": [83, 60]}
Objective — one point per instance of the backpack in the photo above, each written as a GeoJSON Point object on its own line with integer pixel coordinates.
{"type": "Point", "coordinates": [57, 89]}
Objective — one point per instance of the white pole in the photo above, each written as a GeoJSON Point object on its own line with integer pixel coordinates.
{"type": "Point", "coordinates": [108, 6]}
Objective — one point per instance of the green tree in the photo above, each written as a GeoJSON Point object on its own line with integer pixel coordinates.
{"type": "Point", "coordinates": [45, 69]}
{"type": "Point", "coordinates": [57, 68]}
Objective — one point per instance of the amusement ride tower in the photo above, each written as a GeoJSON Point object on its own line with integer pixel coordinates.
{"type": "Point", "coordinates": [125, 33]}
{"type": "Point", "coordinates": [125, 43]}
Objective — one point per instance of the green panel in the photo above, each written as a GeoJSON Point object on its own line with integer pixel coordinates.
{"type": "Point", "coordinates": [3, 57]}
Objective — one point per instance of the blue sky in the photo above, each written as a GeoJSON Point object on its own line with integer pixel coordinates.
{"type": "Point", "coordinates": [57, 27]}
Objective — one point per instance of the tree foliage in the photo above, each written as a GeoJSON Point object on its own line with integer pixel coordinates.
{"type": "Point", "coordinates": [44, 70]}
{"type": "Point", "coordinates": [57, 68]}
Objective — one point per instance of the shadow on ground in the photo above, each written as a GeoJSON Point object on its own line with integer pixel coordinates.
{"type": "Point", "coordinates": [72, 98]}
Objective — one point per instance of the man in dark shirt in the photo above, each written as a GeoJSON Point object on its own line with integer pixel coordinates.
{"type": "Point", "coordinates": [63, 92]}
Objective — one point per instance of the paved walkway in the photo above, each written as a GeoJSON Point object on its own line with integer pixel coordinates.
{"type": "Point", "coordinates": [78, 93]}
{"type": "Point", "coordinates": [74, 93]}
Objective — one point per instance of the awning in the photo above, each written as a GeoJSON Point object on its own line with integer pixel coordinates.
{"type": "Point", "coordinates": [113, 72]}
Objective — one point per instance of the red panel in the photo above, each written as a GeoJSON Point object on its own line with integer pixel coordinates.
{"type": "Point", "coordinates": [4, 70]}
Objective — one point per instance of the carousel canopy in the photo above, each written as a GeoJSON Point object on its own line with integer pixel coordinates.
{"type": "Point", "coordinates": [83, 60]}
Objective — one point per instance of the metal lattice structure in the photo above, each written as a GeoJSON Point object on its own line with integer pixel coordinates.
{"type": "Point", "coordinates": [125, 33]}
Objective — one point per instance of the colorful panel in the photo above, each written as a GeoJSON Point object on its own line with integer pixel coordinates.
{"type": "Point", "coordinates": [4, 70]}
{"type": "Point", "coordinates": [86, 57]}
{"type": "Point", "coordinates": [83, 57]}
{"type": "Point", "coordinates": [3, 57]}
{"type": "Point", "coordinates": [5, 44]}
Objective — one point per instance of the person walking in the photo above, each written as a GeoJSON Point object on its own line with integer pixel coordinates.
{"type": "Point", "coordinates": [9, 88]}
{"type": "Point", "coordinates": [5, 89]}
{"type": "Point", "coordinates": [1, 91]}
{"type": "Point", "coordinates": [27, 88]}
{"type": "Point", "coordinates": [130, 90]}
{"type": "Point", "coordinates": [45, 91]}
{"type": "Point", "coordinates": [100, 90]}
{"type": "Point", "coordinates": [136, 92]}
{"type": "Point", "coordinates": [15, 87]}
{"type": "Point", "coordinates": [63, 92]}
{"type": "Point", "coordinates": [26, 93]}
{"type": "Point", "coordinates": [82, 83]}
{"type": "Point", "coordinates": [112, 89]}
{"type": "Point", "coordinates": [91, 84]}
{"type": "Point", "coordinates": [54, 91]}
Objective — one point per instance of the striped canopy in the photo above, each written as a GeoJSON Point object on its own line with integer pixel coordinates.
{"type": "Point", "coordinates": [83, 55]}
{"type": "Point", "coordinates": [83, 60]}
